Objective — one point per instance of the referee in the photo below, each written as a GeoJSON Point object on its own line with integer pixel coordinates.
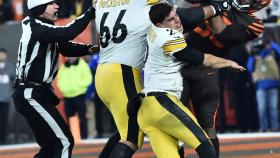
{"type": "Point", "coordinates": [37, 66]}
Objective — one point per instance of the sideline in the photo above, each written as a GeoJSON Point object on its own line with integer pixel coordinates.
{"type": "Point", "coordinates": [104, 140]}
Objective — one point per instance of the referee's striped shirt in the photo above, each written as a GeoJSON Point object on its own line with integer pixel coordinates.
{"type": "Point", "coordinates": [40, 45]}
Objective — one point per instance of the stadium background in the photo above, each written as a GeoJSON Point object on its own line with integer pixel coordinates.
{"type": "Point", "coordinates": [266, 145]}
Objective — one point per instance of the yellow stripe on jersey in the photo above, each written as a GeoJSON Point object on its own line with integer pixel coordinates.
{"type": "Point", "coordinates": [152, 1]}
{"type": "Point", "coordinates": [179, 40]}
{"type": "Point", "coordinates": [172, 46]}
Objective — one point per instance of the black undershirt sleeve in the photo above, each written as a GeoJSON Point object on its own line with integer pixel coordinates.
{"type": "Point", "coordinates": [190, 55]}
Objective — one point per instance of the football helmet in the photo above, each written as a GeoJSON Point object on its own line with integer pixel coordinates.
{"type": "Point", "coordinates": [250, 6]}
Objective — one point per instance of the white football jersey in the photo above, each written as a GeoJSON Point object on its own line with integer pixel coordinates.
{"type": "Point", "coordinates": [122, 25]}
{"type": "Point", "coordinates": [162, 70]}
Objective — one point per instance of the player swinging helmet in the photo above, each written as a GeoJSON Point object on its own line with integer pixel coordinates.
{"type": "Point", "coordinates": [250, 6]}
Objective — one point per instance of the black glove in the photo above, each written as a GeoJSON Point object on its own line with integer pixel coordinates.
{"type": "Point", "coordinates": [133, 105]}
{"type": "Point", "coordinates": [220, 5]}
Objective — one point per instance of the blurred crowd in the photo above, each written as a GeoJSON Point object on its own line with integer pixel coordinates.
{"type": "Point", "coordinates": [249, 100]}
{"type": "Point", "coordinates": [16, 10]}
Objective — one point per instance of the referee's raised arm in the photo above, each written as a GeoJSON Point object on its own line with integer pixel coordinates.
{"type": "Point", "coordinates": [46, 32]}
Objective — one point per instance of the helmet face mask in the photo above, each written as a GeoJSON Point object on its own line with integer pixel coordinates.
{"type": "Point", "coordinates": [250, 6]}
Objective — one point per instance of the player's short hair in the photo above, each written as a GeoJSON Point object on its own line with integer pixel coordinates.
{"type": "Point", "coordinates": [159, 12]}
{"type": "Point", "coordinates": [3, 50]}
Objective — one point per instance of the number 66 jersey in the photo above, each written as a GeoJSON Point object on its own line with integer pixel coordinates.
{"type": "Point", "coordinates": [122, 25]}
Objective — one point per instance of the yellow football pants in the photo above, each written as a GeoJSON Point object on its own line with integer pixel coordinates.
{"type": "Point", "coordinates": [115, 84]}
{"type": "Point", "coordinates": [165, 120]}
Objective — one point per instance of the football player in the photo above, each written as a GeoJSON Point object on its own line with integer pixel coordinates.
{"type": "Point", "coordinates": [162, 116]}
{"type": "Point", "coordinates": [217, 36]}
{"type": "Point", "coordinates": [123, 27]}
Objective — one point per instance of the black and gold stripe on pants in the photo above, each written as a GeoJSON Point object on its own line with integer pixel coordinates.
{"type": "Point", "coordinates": [174, 109]}
{"type": "Point", "coordinates": [165, 120]}
{"type": "Point", "coordinates": [115, 84]}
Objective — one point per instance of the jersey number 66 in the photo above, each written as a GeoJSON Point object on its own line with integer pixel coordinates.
{"type": "Point", "coordinates": [105, 33]}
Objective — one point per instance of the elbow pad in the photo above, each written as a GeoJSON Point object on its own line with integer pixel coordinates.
{"type": "Point", "coordinates": [190, 55]}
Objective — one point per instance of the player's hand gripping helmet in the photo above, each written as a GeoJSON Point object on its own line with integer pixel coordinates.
{"type": "Point", "coordinates": [250, 6]}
